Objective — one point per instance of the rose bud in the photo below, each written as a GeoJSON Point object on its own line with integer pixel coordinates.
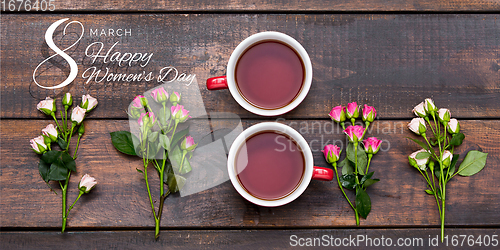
{"type": "Point", "coordinates": [159, 95]}
{"type": "Point", "coordinates": [453, 126]}
{"type": "Point", "coordinates": [417, 125]}
{"type": "Point", "coordinates": [418, 163]}
{"type": "Point", "coordinates": [446, 158]}
{"type": "Point", "coordinates": [188, 144]}
{"type": "Point", "coordinates": [87, 183]}
{"type": "Point", "coordinates": [355, 133]}
{"type": "Point", "coordinates": [88, 102]}
{"type": "Point", "coordinates": [332, 153]}
{"type": "Point", "coordinates": [50, 132]}
{"type": "Point", "coordinates": [67, 100]}
{"type": "Point", "coordinates": [372, 145]}
{"type": "Point", "coordinates": [77, 115]}
{"type": "Point", "coordinates": [419, 110]}
{"type": "Point", "coordinates": [38, 145]}
{"type": "Point", "coordinates": [369, 113]}
{"type": "Point", "coordinates": [352, 110]}
{"type": "Point", "coordinates": [81, 130]}
{"type": "Point", "coordinates": [338, 114]}
{"type": "Point", "coordinates": [444, 115]}
{"type": "Point", "coordinates": [429, 106]}
{"type": "Point", "coordinates": [47, 106]}
{"type": "Point", "coordinates": [139, 101]}
{"type": "Point", "coordinates": [179, 113]}
{"type": "Point", "coordinates": [175, 98]}
{"type": "Point", "coordinates": [148, 120]}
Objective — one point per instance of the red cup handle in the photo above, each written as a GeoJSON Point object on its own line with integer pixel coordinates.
{"type": "Point", "coordinates": [322, 174]}
{"type": "Point", "coordinates": [216, 83]}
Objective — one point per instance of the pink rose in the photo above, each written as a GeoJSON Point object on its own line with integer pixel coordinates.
{"type": "Point", "coordinates": [453, 126]}
{"type": "Point", "coordinates": [138, 100]}
{"type": "Point", "coordinates": [447, 158]}
{"type": "Point", "coordinates": [352, 110]}
{"type": "Point", "coordinates": [419, 110]}
{"type": "Point", "coordinates": [149, 119]}
{"type": "Point", "coordinates": [175, 98]}
{"type": "Point", "coordinates": [418, 163]}
{"type": "Point", "coordinates": [50, 132]}
{"type": "Point", "coordinates": [417, 125]}
{"type": "Point", "coordinates": [372, 145]}
{"type": "Point", "coordinates": [188, 144]}
{"type": "Point", "coordinates": [338, 114]}
{"type": "Point", "coordinates": [47, 106]}
{"type": "Point", "coordinates": [88, 102]}
{"type": "Point", "coordinates": [87, 183]}
{"type": "Point", "coordinates": [331, 152]}
{"type": "Point", "coordinates": [355, 133]}
{"type": "Point", "coordinates": [159, 95]}
{"type": "Point", "coordinates": [444, 115]}
{"type": "Point", "coordinates": [369, 113]}
{"type": "Point", "coordinates": [38, 145]}
{"type": "Point", "coordinates": [179, 113]}
{"type": "Point", "coordinates": [77, 115]}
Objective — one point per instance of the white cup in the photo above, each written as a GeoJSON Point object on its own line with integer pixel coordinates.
{"type": "Point", "coordinates": [229, 81]}
{"type": "Point", "coordinates": [311, 172]}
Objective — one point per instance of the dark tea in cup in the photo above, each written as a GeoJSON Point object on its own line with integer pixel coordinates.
{"type": "Point", "coordinates": [269, 165]}
{"type": "Point", "coordinates": [269, 74]}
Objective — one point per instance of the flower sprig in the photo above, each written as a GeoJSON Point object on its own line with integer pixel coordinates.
{"type": "Point", "coordinates": [355, 175]}
{"type": "Point", "coordinates": [437, 161]}
{"type": "Point", "coordinates": [158, 143]}
{"type": "Point", "coordinates": [57, 165]}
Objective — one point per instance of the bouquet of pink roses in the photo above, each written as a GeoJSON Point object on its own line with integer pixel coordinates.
{"type": "Point", "coordinates": [56, 165]}
{"type": "Point", "coordinates": [437, 161]}
{"type": "Point", "coordinates": [355, 175]}
{"type": "Point", "coordinates": [159, 143]}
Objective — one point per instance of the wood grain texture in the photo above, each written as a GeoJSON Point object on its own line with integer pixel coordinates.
{"type": "Point", "coordinates": [237, 239]}
{"type": "Point", "coordinates": [279, 5]}
{"type": "Point", "coordinates": [120, 200]}
{"type": "Point", "coordinates": [390, 61]}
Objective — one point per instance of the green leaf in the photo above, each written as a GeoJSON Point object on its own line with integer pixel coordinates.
{"type": "Point", "coordinates": [153, 136]}
{"type": "Point", "coordinates": [422, 155]}
{"type": "Point", "coordinates": [473, 163]}
{"type": "Point", "coordinates": [453, 164]}
{"type": "Point", "coordinates": [178, 136]}
{"type": "Point", "coordinates": [123, 142]}
{"type": "Point", "coordinates": [370, 182]}
{"type": "Point", "coordinates": [362, 157]}
{"type": "Point", "coordinates": [348, 181]}
{"type": "Point", "coordinates": [57, 172]}
{"type": "Point", "coordinates": [68, 161]}
{"type": "Point", "coordinates": [175, 157]}
{"type": "Point", "coordinates": [44, 168]}
{"type": "Point", "coordinates": [186, 166]}
{"type": "Point", "coordinates": [366, 177]}
{"type": "Point", "coordinates": [457, 139]}
{"type": "Point", "coordinates": [138, 170]}
{"type": "Point", "coordinates": [346, 167]}
{"type": "Point", "coordinates": [163, 116]}
{"type": "Point", "coordinates": [423, 145]}
{"type": "Point", "coordinates": [164, 142]}
{"type": "Point", "coordinates": [429, 192]}
{"type": "Point", "coordinates": [174, 182]}
{"type": "Point", "coordinates": [62, 143]}
{"type": "Point", "coordinates": [51, 156]}
{"type": "Point", "coordinates": [363, 202]}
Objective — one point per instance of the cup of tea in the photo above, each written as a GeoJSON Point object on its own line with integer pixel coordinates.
{"type": "Point", "coordinates": [268, 74]}
{"type": "Point", "coordinates": [270, 164]}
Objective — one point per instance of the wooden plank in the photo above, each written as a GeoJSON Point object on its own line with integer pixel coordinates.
{"type": "Point", "coordinates": [278, 5]}
{"type": "Point", "coordinates": [250, 239]}
{"type": "Point", "coordinates": [390, 61]}
{"type": "Point", "coordinates": [120, 198]}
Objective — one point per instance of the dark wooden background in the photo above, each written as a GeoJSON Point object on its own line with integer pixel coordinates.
{"type": "Point", "coordinates": [389, 54]}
